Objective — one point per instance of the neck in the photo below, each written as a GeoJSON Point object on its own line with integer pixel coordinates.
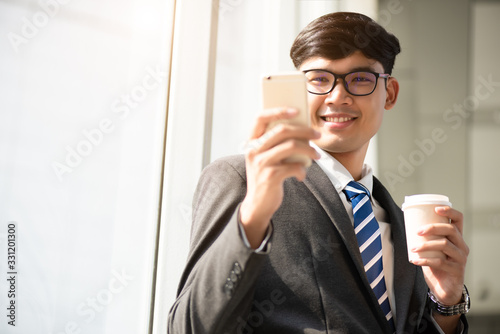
{"type": "Point", "coordinates": [352, 161]}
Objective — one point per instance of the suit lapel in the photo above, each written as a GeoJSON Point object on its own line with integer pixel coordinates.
{"type": "Point", "coordinates": [322, 188]}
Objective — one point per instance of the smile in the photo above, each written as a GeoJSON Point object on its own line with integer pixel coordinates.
{"type": "Point", "coordinates": [338, 119]}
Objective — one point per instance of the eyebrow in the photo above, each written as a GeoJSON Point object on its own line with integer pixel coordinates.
{"type": "Point", "coordinates": [355, 69]}
{"type": "Point", "coordinates": [363, 68]}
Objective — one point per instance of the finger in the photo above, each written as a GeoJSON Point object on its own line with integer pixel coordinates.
{"type": "Point", "coordinates": [278, 134]}
{"type": "Point", "coordinates": [277, 154]}
{"type": "Point", "coordinates": [444, 245]}
{"type": "Point", "coordinates": [283, 132]}
{"type": "Point", "coordinates": [455, 216]}
{"type": "Point", "coordinates": [453, 269]}
{"type": "Point", "coordinates": [438, 229]}
{"type": "Point", "coordinates": [268, 116]}
{"type": "Point", "coordinates": [447, 231]}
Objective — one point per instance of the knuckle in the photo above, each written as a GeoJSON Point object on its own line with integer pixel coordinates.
{"type": "Point", "coordinates": [446, 242]}
{"type": "Point", "coordinates": [261, 118]}
{"type": "Point", "coordinates": [271, 173]}
{"type": "Point", "coordinates": [258, 160]}
{"type": "Point", "coordinates": [300, 169]}
{"type": "Point", "coordinates": [280, 129]}
{"type": "Point", "coordinates": [440, 262]}
{"type": "Point", "coordinates": [293, 144]}
{"type": "Point", "coordinates": [250, 155]}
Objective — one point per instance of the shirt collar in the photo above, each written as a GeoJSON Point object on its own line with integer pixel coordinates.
{"type": "Point", "coordinates": [338, 174]}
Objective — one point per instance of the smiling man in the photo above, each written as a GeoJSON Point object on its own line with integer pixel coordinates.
{"type": "Point", "coordinates": [276, 248]}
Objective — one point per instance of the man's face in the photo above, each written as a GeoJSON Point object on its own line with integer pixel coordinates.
{"type": "Point", "coordinates": [347, 122]}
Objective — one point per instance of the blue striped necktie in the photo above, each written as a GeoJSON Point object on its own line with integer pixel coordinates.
{"type": "Point", "coordinates": [370, 243]}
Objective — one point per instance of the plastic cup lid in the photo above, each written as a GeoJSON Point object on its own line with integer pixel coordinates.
{"type": "Point", "coordinates": [423, 199]}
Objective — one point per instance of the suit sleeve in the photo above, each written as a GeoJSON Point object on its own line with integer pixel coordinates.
{"type": "Point", "coordinates": [429, 326]}
{"type": "Point", "coordinates": [216, 289]}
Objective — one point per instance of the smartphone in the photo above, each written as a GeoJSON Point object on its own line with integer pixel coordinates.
{"type": "Point", "coordinates": [287, 90]}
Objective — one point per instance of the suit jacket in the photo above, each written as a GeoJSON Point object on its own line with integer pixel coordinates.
{"type": "Point", "coordinates": [310, 279]}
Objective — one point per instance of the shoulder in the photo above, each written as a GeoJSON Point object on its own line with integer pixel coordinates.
{"type": "Point", "coordinates": [222, 178]}
{"type": "Point", "coordinates": [233, 164]}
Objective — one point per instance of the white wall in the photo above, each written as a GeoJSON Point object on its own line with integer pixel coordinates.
{"type": "Point", "coordinates": [443, 134]}
{"type": "Point", "coordinates": [484, 156]}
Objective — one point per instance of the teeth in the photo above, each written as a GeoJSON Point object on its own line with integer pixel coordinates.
{"type": "Point", "coordinates": [338, 119]}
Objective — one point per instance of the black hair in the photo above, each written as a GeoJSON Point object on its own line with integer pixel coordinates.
{"type": "Point", "coordinates": [337, 35]}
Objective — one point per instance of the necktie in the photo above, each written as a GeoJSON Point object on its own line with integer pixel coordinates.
{"type": "Point", "coordinates": [370, 244]}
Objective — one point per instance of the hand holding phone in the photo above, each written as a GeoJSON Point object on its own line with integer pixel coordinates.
{"type": "Point", "coordinates": [266, 149]}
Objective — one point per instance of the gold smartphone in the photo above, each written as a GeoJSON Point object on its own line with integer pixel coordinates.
{"type": "Point", "coordinates": [287, 89]}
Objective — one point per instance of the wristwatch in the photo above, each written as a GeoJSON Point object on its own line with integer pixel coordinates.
{"type": "Point", "coordinates": [448, 310]}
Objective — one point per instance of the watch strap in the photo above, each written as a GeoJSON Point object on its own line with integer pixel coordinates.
{"type": "Point", "coordinates": [449, 310]}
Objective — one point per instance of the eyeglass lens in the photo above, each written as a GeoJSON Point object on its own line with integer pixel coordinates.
{"type": "Point", "coordinates": [356, 83]}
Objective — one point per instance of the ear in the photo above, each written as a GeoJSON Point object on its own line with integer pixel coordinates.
{"type": "Point", "coordinates": [392, 93]}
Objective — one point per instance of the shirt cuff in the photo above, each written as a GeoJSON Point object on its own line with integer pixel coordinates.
{"type": "Point", "coordinates": [262, 249]}
{"type": "Point", "coordinates": [460, 328]}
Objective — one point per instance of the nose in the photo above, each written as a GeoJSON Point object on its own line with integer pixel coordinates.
{"type": "Point", "coordinates": [338, 95]}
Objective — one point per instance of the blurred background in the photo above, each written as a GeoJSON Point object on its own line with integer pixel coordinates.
{"type": "Point", "coordinates": [110, 109]}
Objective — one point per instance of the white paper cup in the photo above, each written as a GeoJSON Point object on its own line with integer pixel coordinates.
{"type": "Point", "coordinates": [419, 211]}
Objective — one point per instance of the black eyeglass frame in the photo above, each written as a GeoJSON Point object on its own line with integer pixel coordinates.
{"type": "Point", "coordinates": [342, 76]}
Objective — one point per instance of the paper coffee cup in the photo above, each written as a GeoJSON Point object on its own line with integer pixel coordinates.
{"type": "Point", "coordinates": [419, 211]}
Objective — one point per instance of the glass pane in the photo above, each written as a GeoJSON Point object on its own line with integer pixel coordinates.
{"type": "Point", "coordinates": [81, 140]}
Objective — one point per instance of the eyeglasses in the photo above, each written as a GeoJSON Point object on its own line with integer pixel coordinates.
{"type": "Point", "coordinates": [322, 82]}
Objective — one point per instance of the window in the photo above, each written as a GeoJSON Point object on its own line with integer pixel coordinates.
{"type": "Point", "coordinates": [82, 124]}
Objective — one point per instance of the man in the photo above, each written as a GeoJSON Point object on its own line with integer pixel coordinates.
{"type": "Point", "coordinates": [275, 248]}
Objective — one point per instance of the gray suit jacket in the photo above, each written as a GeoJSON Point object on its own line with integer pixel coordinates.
{"type": "Point", "coordinates": [310, 279]}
